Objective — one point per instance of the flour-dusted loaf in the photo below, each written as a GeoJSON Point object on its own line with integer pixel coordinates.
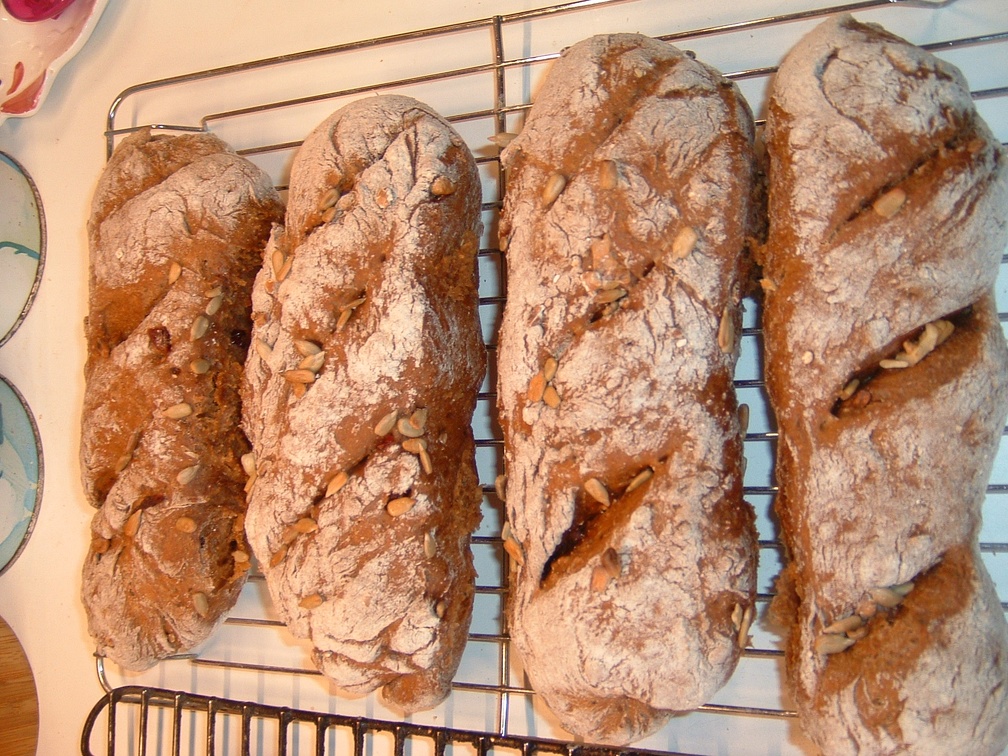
{"type": "Point", "coordinates": [176, 232]}
{"type": "Point", "coordinates": [361, 383]}
{"type": "Point", "coordinates": [628, 204]}
{"type": "Point", "coordinates": [888, 372]}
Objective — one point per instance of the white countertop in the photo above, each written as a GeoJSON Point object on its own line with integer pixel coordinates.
{"type": "Point", "coordinates": [62, 147]}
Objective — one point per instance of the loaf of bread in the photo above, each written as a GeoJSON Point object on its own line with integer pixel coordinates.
{"type": "Point", "coordinates": [176, 233]}
{"type": "Point", "coordinates": [888, 373]}
{"type": "Point", "coordinates": [625, 219]}
{"type": "Point", "coordinates": [361, 383]}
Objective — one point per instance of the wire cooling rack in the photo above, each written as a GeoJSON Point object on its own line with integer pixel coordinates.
{"type": "Point", "coordinates": [251, 688]}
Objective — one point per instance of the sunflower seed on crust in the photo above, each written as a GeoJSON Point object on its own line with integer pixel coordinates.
{"type": "Point", "coordinates": [248, 463]}
{"type": "Point", "coordinates": [684, 242]}
{"type": "Point", "coordinates": [419, 418]}
{"type": "Point", "coordinates": [886, 597]}
{"type": "Point", "coordinates": [429, 545]}
{"type": "Point", "coordinates": [844, 625]}
{"type": "Point", "coordinates": [400, 505]}
{"type": "Point", "coordinates": [726, 331]}
{"type": "Point", "coordinates": [425, 461]}
{"type": "Point", "coordinates": [311, 602]}
{"type": "Point", "coordinates": [640, 479]}
{"type": "Point", "coordinates": [177, 411]}
{"type": "Point", "coordinates": [214, 305]}
{"type": "Point", "coordinates": [306, 348]}
{"type": "Point", "coordinates": [888, 204]}
{"type": "Point", "coordinates": [306, 525]}
{"type": "Point", "coordinates": [442, 186]}
{"type": "Point", "coordinates": [744, 625]}
{"type": "Point", "coordinates": [595, 488]}
{"type": "Point", "coordinates": [264, 350]}
{"type": "Point", "coordinates": [550, 368]}
{"type": "Point", "coordinates": [387, 424]}
{"type": "Point", "coordinates": [826, 645]}
{"type": "Point", "coordinates": [414, 445]}
{"type": "Point", "coordinates": [278, 556]}
{"type": "Point", "coordinates": [514, 550]}
{"type": "Point", "coordinates": [174, 272]}
{"type": "Point", "coordinates": [185, 524]}
{"type": "Point", "coordinates": [299, 376]}
{"type": "Point", "coordinates": [536, 387]}
{"type": "Point", "coordinates": [600, 579]}
{"type": "Point", "coordinates": [336, 483]}
{"type": "Point", "coordinates": [406, 428]}
{"type": "Point", "coordinates": [133, 524]}
{"type": "Point", "coordinates": [551, 398]}
{"type": "Point", "coordinates": [555, 184]}
{"type": "Point", "coordinates": [500, 487]}
{"type": "Point", "coordinates": [312, 362]}
{"type": "Point", "coordinates": [199, 328]}
{"type": "Point", "coordinates": [201, 603]}
{"type": "Point", "coordinates": [187, 475]}
{"type": "Point", "coordinates": [200, 366]}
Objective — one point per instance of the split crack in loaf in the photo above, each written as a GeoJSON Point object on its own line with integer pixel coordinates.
{"type": "Point", "coordinates": [361, 383]}
{"type": "Point", "coordinates": [888, 372]}
{"type": "Point", "coordinates": [176, 231]}
{"type": "Point", "coordinates": [629, 200]}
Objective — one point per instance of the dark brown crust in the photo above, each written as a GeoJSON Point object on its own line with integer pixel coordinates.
{"type": "Point", "coordinates": [650, 144]}
{"type": "Point", "coordinates": [384, 212]}
{"type": "Point", "coordinates": [886, 210]}
{"type": "Point", "coordinates": [161, 570]}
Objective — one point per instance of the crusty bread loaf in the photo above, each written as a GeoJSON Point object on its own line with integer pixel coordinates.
{"type": "Point", "coordinates": [360, 388]}
{"type": "Point", "coordinates": [625, 219]}
{"type": "Point", "coordinates": [176, 233]}
{"type": "Point", "coordinates": [888, 373]}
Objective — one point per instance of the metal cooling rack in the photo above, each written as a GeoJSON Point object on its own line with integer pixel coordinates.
{"type": "Point", "coordinates": [252, 688]}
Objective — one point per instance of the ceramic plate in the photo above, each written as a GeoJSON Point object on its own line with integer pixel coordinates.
{"type": "Point", "coordinates": [20, 473]}
{"type": "Point", "coordinates": [33, 52]}
{"type": "Point", "coordinates": [22, 244]}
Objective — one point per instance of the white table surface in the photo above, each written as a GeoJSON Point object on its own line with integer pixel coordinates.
{"type": "Point", "coordinates": [62, 147]}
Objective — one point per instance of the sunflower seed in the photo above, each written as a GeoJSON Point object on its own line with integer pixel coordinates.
{"type": "Point", "coordinates": [185, 525]}
{"type": "Point", "coordinates": [429, 545]}
{"type": "Point", "coordinates": [133, 524]}
{"type": "Point", "coordinates": [299, 376]}
{"type": "Point", "coordinates": [199, 328]}
{"type": "Point", "coordinates": [597, 490]}
{"type": "Point", "coordinates": [201, 604]}
{"type": "Point", "coordinates": [608, 175]}
{"type": "Point", "coordinates": [425, 461]}
{"type": "Point", "coordinates": [550, 396]}
{"type": "Point", "coordinates": [684, 243]}
{"type": "Point", "coordinates": [514, 550]}
{"type": "Point", "coordinates": [441, 608]}
{"type": "Point", "coordinates": [500, 487]}
{"type": "Point", "coordinates": [264, 350]}
{"type": "Point", "coordinates": [610, 562]}
{"type": "Point", "coordinates": [743, 419]}
{"type": "Point", "coordinates": [248, 463]}
{"type": "Point", "coordinates": [177, 411]}
{"type": "Point", "coordinates": [278, 260]}
{"type": "Point", "coordinates": [640, 479]}
{"type": "Point", "coordinates": [832, 644]}
{"type": "Point", "coordinates": [903, 589]}
{"type": "Point", "coordinates": [336, 483]}
{"type": "Point", "coordinates": [607, 296]}
{"type": "Point", "coordinates": [844, 625]}
{"type": "Point", "coordinates": [555, 184]}
{"type": "Point", "coordinates": [726, 331]}
{"type": "Point", "coordinates": [744, 625]}
{"type": "Point", "coordinates": [386, 424]}
{"type": "Point", "coordinates": [174, 271]}
{"type": "Point", "coordinates": [886, 597]}
{"type": "Point", "coordinates": [848, 391]}
{"type": "Point", "coordinates": [278, 556]}
{"type": "Point", "coordinates": [328, 215]}
{"type": "Point", "coordinates": [536, 387]}
{"type": "Point", "coordinates": [400, 505]}
{"type": "Point", "coordinates": [187, 475]}
{"type": "Point", "coordinates": [311, 602]}
{"type": "Point", "coordinates": [343, 319]}
{"type": "Point", "coordinates": [406, 428]}
{"type": "Point", "coordinates": [419, 418]}
{"type": "Point", "coordinates": [240, 557]}
{"type": "Point", "coordinates": [442, 186]}
{"type": "Point", "coordinates": [893, 364]}
{"type": "Point", "coordinates": [306, 525]}
{"type": "Point", "coordinates": [414, 445]}
{"type": "Point", "coordinates": [550, 368]}
{"type": "Point", "coordinates": [312, 362]}
{"type": "Point", "coordinates": [353, 305]}
{"type": "Point", "coordinates": [329, 199]}
{"type": "Point", "coordinates": [214, 305]}
{"type": "Point", "coordinates": [600, 579]}
{"type": "Point", "coordinates": [502, 139]}
{"type": "Point", "coordinates": [199, 366]}
{"type": "Point", "coordinates": [890, 203]}
{"type": "Point", "coordinates": [306, 348]}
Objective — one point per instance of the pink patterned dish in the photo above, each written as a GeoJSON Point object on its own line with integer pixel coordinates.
{"type": "Point", "coordinates": [33, 51]}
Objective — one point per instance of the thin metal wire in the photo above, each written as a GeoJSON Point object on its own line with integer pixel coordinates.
{"type": "Point", "coordinates": [139, 701]}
